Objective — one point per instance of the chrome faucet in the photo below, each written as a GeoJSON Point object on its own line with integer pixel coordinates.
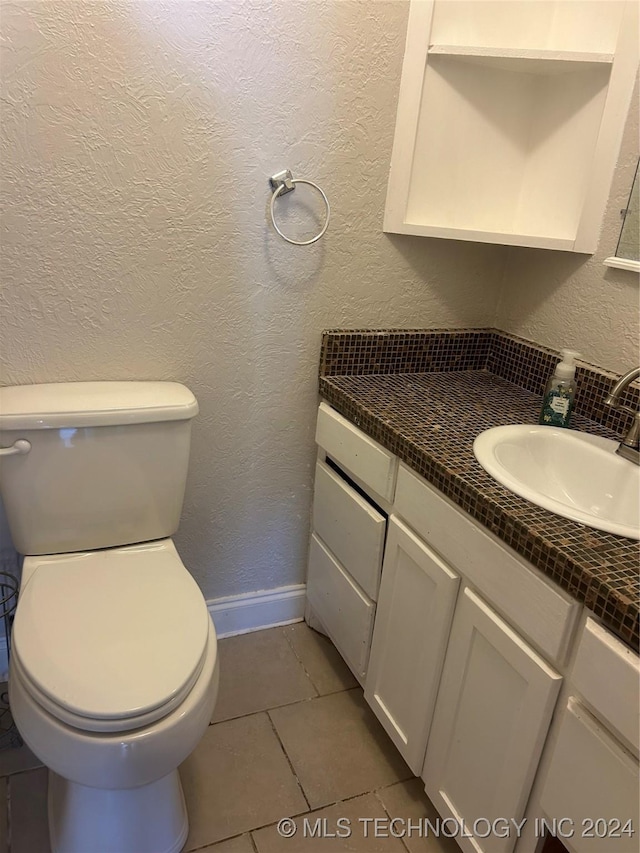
{"type": "Point", "coordinates": [630, 446]}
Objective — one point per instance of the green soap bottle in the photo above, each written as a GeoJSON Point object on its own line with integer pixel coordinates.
{"type": "Point", "coordinates": [557, 403]}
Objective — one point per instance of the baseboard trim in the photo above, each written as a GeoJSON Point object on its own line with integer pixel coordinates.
{"type": "Point", "coordinates": [252, 611]}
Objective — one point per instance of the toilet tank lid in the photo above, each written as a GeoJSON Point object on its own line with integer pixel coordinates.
{"type": "Point", "coordinates": [84, 404]}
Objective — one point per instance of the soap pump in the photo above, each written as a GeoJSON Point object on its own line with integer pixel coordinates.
{"type": "Point", "coordinates": [559, 392]}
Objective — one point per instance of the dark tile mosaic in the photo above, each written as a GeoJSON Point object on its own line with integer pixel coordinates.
{"type": "Point", "coordinates": [366, 351]}
{"type": "Point", "coordinates": [530, 366]}
{"type": "Point", "coordinates": [362, 352]}
{"type": "Point", "coordinates": [429, 419]}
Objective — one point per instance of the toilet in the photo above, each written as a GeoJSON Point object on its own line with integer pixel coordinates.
{"type": "Point", "coordinates": [114, 670]}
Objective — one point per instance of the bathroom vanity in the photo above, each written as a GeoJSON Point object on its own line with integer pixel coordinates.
{"type": "Point", "coordinates": [503, 670]}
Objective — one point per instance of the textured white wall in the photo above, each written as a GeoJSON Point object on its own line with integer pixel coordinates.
{"type": "Point", "coordinates": [559, 299]}
{"type": "Point", "coordinates": [136, 143]}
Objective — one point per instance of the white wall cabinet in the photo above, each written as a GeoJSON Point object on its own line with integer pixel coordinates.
{"type": "Point", "coordinates": [492, 715]}
{"type": "Point", "coordinates": [510, 118]}
{"type": "Point", "coordinates": [416, 602]}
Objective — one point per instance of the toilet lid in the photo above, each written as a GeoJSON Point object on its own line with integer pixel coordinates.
{"type": "Point", "coordinates": [112, 634]}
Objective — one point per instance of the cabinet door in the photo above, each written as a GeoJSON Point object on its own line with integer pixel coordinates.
{"type": "Point", "coordinates": [493, 711]}
{"type": "Point", "coordinates": [415, 607]}
{"type": "Point", "coordinates": [591, 788]}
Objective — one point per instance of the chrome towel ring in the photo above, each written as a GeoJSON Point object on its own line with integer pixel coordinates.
{"type": "Point", "coordinates": [283, 182]}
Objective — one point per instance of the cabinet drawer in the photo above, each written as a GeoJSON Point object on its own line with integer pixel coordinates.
{"type": "Point", "coordinates": [351, 528]}
{"type": "Point", "coordinates": [592, 783]}
{"type": "Point", "coordinates": [360, 455]}
{"type": "Point", "coordinates": [607, 674]}
{"type": "Point", "coordinates": [542, 612]}
{"type": "Point", "coordinates": [344, 610]}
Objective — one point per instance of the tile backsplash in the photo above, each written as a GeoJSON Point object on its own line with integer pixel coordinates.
{"type": "Point", "coordinates": [369, 351]}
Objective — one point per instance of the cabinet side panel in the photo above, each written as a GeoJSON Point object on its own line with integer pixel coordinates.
{"type": "Point", "coordinates": [623, 78]}
{"type": "Point", "coordinates": [413, 69]}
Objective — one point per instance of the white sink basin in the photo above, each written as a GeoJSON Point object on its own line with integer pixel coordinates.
{"type": "Point", "coordinates": [573, 474]}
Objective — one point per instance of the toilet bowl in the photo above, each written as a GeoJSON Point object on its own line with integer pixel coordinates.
{"type": "Point", "coordinates": [113, 740]}
{"type": "Point", "coordinates": [113, 674]}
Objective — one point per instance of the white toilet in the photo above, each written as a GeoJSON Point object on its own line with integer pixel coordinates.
{"type": "Point", "coordinates": [114, 672]}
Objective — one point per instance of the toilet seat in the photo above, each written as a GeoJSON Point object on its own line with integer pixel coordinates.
{"type": "Point", "coordinates": [110, 640]}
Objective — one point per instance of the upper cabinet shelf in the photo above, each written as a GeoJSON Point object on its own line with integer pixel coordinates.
{"type": "Point", "coordinates": [525, 60]}
{"type": "Point", "coordinates": [510, 118]}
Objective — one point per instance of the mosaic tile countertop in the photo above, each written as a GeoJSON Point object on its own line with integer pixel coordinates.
{"type": "Point", "coordinates": [429, 420]}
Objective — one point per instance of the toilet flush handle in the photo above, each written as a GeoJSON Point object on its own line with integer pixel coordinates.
{"type": "Point", "coordinates": [19, 446]}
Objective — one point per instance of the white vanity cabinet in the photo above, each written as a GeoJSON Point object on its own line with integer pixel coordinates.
{"type": "Point", "coordinates": [490, 679]}
{"type": "Point", "coordinates": [493, 712]}
{"type": "Point", "coordinates": [509, 121]}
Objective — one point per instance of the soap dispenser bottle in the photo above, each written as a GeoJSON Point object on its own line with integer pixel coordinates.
{"type": "Point", "coordinates": [559, 392]}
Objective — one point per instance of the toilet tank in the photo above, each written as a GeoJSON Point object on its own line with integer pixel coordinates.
{"type": "Point", "coordinates": [107, 464]}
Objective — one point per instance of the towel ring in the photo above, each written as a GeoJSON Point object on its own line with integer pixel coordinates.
{"type": "Point", "coordinates": [283, 183]}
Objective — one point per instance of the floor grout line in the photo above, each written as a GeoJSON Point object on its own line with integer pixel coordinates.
{"type": "Point", "coordinates": [300, 661]}
{"type": "Point", "coordinates": [388, 813]}
{"type": "Point", "coordinates": [266, 710]}
{"type": "Point", "coordinates": [307, 673]}
{"type": "Point", "coordinates": [286, 755]}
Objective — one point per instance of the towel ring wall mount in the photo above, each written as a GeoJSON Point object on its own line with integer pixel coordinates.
{"type": "Point", "coordinates": [284, 182]}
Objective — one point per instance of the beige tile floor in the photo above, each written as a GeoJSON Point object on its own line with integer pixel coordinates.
{"type": "Point", "coordinates": [291, 737]}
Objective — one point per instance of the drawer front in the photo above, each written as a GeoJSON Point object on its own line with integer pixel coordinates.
{"type": "Point", "coordinates": [360, 455]}
{"type": "Point", "coordinates": [607, 674]}
{"type": "Point", "coordinates": [592, 783]}
{"type": "Point", "coordinates": [350, 527]}
{"type": "Point", "coordinates": [344, 610]}
{"type": "Point", "coordinates": [543, 612]}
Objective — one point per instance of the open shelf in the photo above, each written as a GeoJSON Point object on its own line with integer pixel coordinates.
{"type": "Point", "coordinates": [513, 136]}
{"type": "Point", "coordinates": [525, 60]}
{"type": "Point", "coordinates": [532, 146]}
